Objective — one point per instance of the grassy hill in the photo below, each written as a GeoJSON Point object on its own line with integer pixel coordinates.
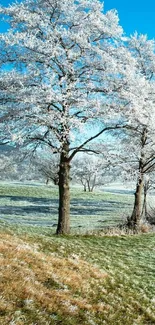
{"type": "Point", "coordinates": [76, 279]}
{"type": "Point", "coordinates": [73, 280]}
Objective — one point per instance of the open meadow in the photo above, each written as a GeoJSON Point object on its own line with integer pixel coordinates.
{"type": "Point", "coordinates": [37, 205]}
{"type": "Point", "coordinates": [79, 279]}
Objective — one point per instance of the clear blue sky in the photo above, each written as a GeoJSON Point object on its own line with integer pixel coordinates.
{"type": "Point", "coordinates": [135, 15]}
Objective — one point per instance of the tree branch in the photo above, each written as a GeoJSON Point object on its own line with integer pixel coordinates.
{"type": "Point", "coordinates": [96, 136]}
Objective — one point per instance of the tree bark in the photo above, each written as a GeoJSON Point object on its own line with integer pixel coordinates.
{"type": "Point", "coordinates": [144, 209]}
{"type": "Point", "coordinates": [93, 183]}
{"type": "Point", "coordinates": [134, 221]}
{"type": "Point", "coordinates": [88, 185]}
{"type": "Point", "coordinates": [64, 194]}
{"type": "Point", "coordinates": [47, 181]}
{"type": "Point", "coordinates": [136, 214]}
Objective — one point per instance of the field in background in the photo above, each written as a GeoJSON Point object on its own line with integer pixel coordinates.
{"type": "Point", "coordinates": [37, 205]}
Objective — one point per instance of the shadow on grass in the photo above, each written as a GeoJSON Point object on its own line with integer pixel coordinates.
{"type": "Point", "coordinates": [50, 206]}
{"type": "Point", "coordinates": [32, 200]}
{"type": "Point", "coordinates": [93, 207]}
{"type": "Point", "coordinates": [26, 210]}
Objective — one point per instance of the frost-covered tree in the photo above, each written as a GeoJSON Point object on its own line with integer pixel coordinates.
{"type": "Point", "coordinates": [47, 165]}
{"type": "Point", "coordinates": [90, 171]}
{"type": "Point", "coordinates": [63, 64]}
{"type": "Point", "coordinates": [144, 118]}
{"type": "Point", "coordinates": [8, 168]}
{"type": "Point", "coordinates": [139, 138]}
{"type": "Point", "coordinates": [135, 163]}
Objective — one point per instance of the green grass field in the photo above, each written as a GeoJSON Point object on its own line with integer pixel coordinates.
{"type": "Point", "coordinates": [78, 279]}
{"type": "Point", "coordinates": [37, 206]}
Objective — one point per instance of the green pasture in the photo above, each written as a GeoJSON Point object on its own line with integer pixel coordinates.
{"type": "Point", "coordinates": [128, 292]}
{"type": "Point", "coordinates": [37, 205]}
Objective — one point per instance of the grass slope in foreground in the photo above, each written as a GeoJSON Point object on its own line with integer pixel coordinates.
{"type": "Point", "coordinates": [76, 280]}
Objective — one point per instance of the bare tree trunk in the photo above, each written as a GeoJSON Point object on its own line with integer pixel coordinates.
{"type": "Point", "coordinates": [64, 195]}
{"type": "Point", "coordinates": [136, 214]}
{"type": "Point", "coordinates": [47, 181]}
{"type": "Point", "coordinates": [84, 185]}
{"type": "Point", "coordinates": [89, 189]}
{"type": "Point", "coordinates": [93, 183]}
{"type": "Point", "coordinates": [56, 180]}
{"type": "Point", "coordinates": [134, 221]}
{"type": "Point", "coordinates": [88, 185]}
{"type": "Point", "coordinates": [144, 209]}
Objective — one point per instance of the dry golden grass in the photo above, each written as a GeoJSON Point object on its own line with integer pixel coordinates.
{"type": "Point", "coordinates": [35, 286]}
{"type": "Point", "coordinates": [52, 280]}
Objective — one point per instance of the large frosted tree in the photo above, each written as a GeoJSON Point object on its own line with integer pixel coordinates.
{"type": "Point", "coordinates": [138, 150]}
{"type": "Point", "coordinates": [142, 119]}
{"type": "Point", "coordinates": [62, 67]}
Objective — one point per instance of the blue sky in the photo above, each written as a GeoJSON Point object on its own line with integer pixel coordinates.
{"type": "Point", "coordinates": [135, 15]}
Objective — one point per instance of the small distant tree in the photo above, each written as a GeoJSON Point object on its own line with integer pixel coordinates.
{"type": "Point", "coordinates": [89, 170]}
{"type": "Point", "coordinates": [8, 168]}
{"type": "Point", "coordinates": [48, 167]}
